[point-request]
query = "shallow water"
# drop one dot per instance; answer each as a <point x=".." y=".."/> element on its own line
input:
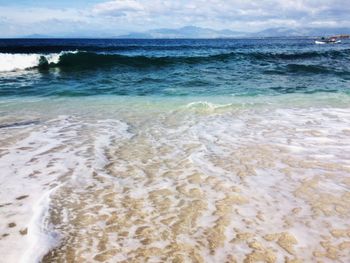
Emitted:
<point x="178" y="181"/>
<point x="207" y="172"/>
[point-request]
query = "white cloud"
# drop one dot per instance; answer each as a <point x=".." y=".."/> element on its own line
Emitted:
<point x="220" y="12"/>
<point x="117" y="7"/>
<point x="34" y="15"/>
<point x="120" y="16"/>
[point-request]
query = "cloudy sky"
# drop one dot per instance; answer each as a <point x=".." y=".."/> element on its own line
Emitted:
<point x="98" y="18"/>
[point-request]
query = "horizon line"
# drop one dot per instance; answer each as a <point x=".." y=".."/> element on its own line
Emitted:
<point x="171" y="38"/>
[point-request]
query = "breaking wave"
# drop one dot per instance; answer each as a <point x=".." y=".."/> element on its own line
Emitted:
<point x="85" y="60"/>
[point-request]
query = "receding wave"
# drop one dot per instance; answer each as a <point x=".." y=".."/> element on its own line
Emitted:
<point x="85" y="60"/>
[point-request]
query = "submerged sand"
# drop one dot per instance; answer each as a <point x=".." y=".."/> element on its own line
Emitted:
<point x="199" y="183"/>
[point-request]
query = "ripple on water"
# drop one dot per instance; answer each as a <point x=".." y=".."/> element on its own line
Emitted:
<point x="249" y="185"/>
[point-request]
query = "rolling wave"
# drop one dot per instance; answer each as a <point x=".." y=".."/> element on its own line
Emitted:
<point x="91" y="60"/>
<point x="85" y="60"/>
<point x="299" y="68"/>
<point x="329" y="54"/>
<point x="12" y="62"/>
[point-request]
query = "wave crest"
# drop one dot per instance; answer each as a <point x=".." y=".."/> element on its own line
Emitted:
<point x="12" y="62"/>
<point x="85" y="60"/>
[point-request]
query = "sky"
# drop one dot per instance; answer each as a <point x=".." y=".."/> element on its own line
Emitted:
<point x="101" y="18"/>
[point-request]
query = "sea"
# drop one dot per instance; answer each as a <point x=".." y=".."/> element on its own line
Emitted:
<point x="174" y="150"/>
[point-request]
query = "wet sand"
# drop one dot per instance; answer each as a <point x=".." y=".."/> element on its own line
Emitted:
<point x="198" y="183"/>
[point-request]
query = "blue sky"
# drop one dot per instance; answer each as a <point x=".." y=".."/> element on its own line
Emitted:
<point x="98" y="18"/>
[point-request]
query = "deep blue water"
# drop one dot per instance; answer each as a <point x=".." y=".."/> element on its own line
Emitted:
<point x="232" y="67"/>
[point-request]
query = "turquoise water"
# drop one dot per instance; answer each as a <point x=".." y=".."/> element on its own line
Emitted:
<point x="174" y="151"/>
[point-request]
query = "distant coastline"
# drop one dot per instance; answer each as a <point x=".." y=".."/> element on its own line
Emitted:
<point x="192" y="32"/>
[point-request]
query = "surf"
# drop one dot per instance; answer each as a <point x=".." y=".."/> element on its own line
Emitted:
<point x="92" y="60"/>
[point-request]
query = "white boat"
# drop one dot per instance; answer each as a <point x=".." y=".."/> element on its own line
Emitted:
<point x="327" y="41"/>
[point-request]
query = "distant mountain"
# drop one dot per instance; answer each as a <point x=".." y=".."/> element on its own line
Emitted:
<point x="277" y="32"/>
<point x="36" y="36"/>
<point x="136" y="35"/>
<point x="192" y="32"/>
<point x="185" y="32"/>
<point x="199" y="32"/>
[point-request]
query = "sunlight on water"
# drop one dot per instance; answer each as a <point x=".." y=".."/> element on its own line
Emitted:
<point x="196" y="181"/>
<point x="174" y="151"/>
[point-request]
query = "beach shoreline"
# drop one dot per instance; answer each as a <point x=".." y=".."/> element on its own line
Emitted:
<point x="190" y="181"/>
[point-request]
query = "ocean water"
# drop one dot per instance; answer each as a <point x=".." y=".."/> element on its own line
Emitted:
<point x="174" y="150"/>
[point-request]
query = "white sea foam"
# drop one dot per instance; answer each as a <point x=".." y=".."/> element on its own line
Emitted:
<point x="12" y="62"/>
<point x="35" y="162"/>
<point x="40" y="240"/>
<point x="185" y="184"/>
<point x="205" y="105"/>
